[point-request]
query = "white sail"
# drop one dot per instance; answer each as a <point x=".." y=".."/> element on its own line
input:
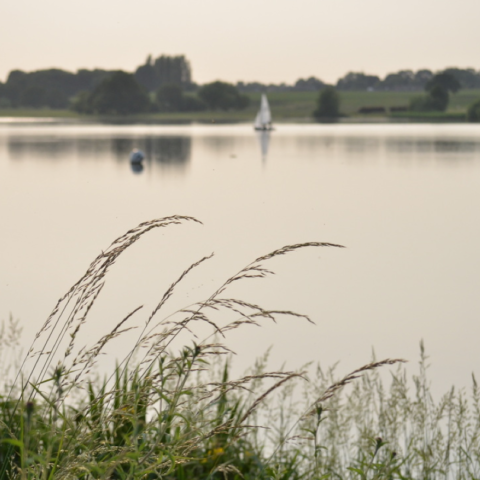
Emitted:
<point x="263" y="120"/>
<point x="265" y="110"/>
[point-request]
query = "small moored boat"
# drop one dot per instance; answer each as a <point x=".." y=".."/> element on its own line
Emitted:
<point x="136" y="156"/>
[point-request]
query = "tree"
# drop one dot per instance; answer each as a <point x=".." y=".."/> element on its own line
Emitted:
<point x="58" y="86"/>
<point x="169" y="98"/>
<point x="328" y="104"/>
<point x="436" y="101"/>
<point x="438" y="88"/>
<point x="311" y="84"/>
<point x="4" y="101"/>
<point x="402" y="80"/>
<point x="34" y="97"/>
<point x="56" y="99"/>
<point x="358" y="81"/>
<point x="145" y="75"/>
<point x="222" y="95"/>
<point x="87" y="80"/>
<point x="15" y="85"/>
<point x="439" y="98"/>
<point x="191" y="103"/>
<point x="473" y="112"/>
<point x="118" y="94"/>
<point x="421" y="78"/>
<point x="467" y="77"/>
<point x="81" y="103"/>
<point x="174" y="69"/>
<point x="445" y="80"/>
<point x="165" y="69"/>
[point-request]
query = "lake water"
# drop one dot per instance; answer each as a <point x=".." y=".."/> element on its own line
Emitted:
<point x="403" y="199"/>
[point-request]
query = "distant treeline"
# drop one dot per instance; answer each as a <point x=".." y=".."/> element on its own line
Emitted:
<point x="167" y="80"/>
<point x="56" y="88"/>
<point x="311" y="84"/>
<point x="165" y="70"/>
<point x="404" y="80"/>
<point x="52" y="88"/>
<point x="121" y="94"/>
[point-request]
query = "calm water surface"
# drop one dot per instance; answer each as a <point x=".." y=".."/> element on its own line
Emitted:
<point x="403" y="199"/>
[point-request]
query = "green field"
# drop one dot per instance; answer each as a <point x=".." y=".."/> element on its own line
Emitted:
<point x="286" y="107"/>
<point x="37" y="113"/>
<point x="352" y="101"/>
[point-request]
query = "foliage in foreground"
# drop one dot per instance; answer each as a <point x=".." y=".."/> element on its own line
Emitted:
<point x="174" y="413"/>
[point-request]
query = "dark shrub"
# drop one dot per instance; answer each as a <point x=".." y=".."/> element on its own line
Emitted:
<point x="473" y="112"/>
<point x="223" y="96"/>
<point x="328" y="104"/>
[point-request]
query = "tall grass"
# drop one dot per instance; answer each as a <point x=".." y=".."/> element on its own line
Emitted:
<point x="172" y="411"/>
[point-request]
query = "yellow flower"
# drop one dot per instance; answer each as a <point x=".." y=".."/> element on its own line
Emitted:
<point x="128" y="409"/>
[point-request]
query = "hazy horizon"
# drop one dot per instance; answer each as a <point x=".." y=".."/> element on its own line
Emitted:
<point x="270" y="42"/>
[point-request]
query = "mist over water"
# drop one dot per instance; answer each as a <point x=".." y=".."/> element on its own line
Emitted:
<point x="403" y="199"/>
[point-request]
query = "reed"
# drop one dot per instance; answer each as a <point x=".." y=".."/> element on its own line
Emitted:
<point x="173" y="412"/>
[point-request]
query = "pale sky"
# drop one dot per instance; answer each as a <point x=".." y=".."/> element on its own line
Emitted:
<point x="264" y="40"/>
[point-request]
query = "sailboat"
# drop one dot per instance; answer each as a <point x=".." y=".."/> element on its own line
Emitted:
<point x="263" y="120"/>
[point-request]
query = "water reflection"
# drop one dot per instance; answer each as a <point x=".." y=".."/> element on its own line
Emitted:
<point x="264" y="140"/>
<point x="357" y="145"/>
<point x="432" y="145"/>
<point x="44" y="147"/>
<point x="220" y="143"/>
<point x="121" y="147"/>
<point x="174" y="151"/>
<point x="361" y="145"/>
<point x="136" y="167"/>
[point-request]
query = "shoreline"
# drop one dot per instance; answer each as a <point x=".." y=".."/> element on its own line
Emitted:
<point x="286" y="107"/>
<point x="43" y="118"/>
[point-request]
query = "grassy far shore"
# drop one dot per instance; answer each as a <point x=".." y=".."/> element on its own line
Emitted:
<point x="286" y="107"/>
